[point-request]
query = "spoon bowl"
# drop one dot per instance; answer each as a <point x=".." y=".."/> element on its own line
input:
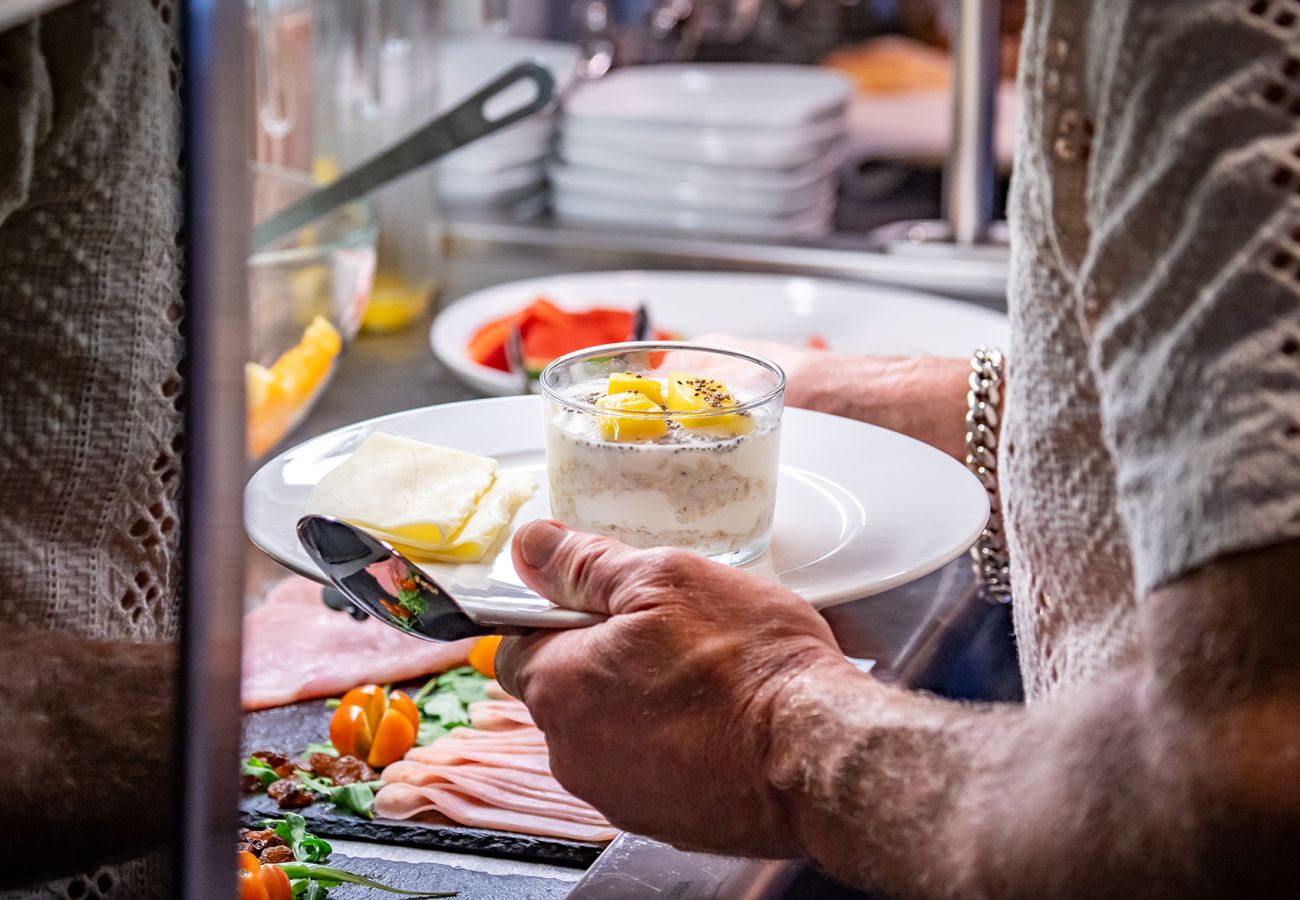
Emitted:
<point x="387" y="586"/>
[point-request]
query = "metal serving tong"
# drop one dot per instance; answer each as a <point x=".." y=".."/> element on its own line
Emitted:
<point x="462" y="125"/>
<point x="386" y="585"/>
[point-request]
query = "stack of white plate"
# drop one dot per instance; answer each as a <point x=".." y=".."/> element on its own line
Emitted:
<point x="509" y="166"/>
<point x="735" y="149"/>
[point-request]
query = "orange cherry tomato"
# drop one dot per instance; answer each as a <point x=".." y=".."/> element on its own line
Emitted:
<point x="395" y="735"/>
<point x="250" y="886"/>
<point x="276" y="883"/>
<point x="369" y="697"/>
<point x="248" y="862"/>
<point x="399" y="701"/>
<point x="350" y="732"/>
<point x="483" y="655"/>
<point x="373" y="727"/>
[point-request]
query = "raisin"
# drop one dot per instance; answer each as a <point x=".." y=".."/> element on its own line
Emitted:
<point x="290" y="793"/>
<point x="276" y="855"/>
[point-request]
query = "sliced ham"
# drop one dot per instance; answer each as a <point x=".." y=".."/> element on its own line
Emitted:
<point x="495" y="691"/>
<point x="493" y="715"/>
<point x="500" y="790"/>
<point x="296" y="648"/>
<point x="448" y="754"/>
<point x="516" y="737"/>
<point x="529" y="784"/>
<point x="402" y="801"/>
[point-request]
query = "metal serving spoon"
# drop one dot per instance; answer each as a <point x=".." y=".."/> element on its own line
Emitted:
<point x="394" y="590"/>
<point x="464" y="124"/>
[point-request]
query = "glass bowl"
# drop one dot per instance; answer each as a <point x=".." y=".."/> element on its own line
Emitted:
<point x="307" y="294"/>
<point x="696" y="470"/>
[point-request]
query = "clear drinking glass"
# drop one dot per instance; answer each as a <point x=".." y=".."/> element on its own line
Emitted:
<point x="704" y="480"/>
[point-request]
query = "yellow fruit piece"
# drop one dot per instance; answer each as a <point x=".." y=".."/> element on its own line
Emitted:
<point x="627" y="428"/>
<point x="623" y="382"/>
<point x="693" y="393"/>
<point x="395" y="303"/>
<point x="276" y="397"/>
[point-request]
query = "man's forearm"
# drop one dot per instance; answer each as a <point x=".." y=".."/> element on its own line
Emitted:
<point x="923" y="397"/>
<point x="1177" y="777"/>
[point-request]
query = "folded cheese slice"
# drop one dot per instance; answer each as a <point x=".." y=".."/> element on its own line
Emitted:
<point x="409" y="492"/>
<point x="485" y="527"/>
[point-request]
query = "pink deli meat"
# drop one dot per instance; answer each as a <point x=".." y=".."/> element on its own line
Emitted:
<point x="295" y="648"/>
<point x="402" y="801"/>
<point x="492" y="715"/>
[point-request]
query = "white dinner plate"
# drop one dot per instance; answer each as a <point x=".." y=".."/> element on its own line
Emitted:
<point x="773" y="152"/>
<point x="853" y="318"/>
<point x="595" y="209"/>
<point x="859" y="509"/>
<point x="796" y="178"/>
<point x="741" y="94"/>
<point x="683" y="194"/>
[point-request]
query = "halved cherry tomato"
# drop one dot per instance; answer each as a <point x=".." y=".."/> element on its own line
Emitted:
<point x="350" y="732"/>
<point x="373" y="727"/>
<point x="395" y="735"/>
<point x="250" y="886"/>
<point x="276" y="883"/>
<point x="369" y="697"/>
<point x="483" y="655"/>
<point x="399" y="701"/>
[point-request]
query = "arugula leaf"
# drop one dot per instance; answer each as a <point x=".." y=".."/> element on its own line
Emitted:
<point x="446" y="709"/>
<point x="356" y="798"/>
<point x="326" y="748"/>
<point x="429" y="732"/>
<point x="259" y="769"/>
<point x="329" y="876"/>
<point x="306" y="846"/>
<point x="413" y="602"/>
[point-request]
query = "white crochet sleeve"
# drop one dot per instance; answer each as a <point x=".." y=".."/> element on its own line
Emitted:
<point x="1191" y="282"/>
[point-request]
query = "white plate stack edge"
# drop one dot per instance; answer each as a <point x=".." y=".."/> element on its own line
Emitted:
<point x="744" y="150"/>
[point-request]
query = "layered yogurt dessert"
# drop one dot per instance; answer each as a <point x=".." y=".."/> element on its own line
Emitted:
<point x="670" y="460"/>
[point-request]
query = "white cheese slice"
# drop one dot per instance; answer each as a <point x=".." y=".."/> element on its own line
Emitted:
<point x="490" y="521"/>
<point x="409" y="492"/>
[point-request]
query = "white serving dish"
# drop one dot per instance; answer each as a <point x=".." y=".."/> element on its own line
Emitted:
<point x="583" y="208"/>
<point x="854" y="318"/>
<point x="731" y="94"/>
<point x="784" y="135"/>
<point x="699" y="195"/>
<point x="585" y="153"/>
<point x="773" y="150"/>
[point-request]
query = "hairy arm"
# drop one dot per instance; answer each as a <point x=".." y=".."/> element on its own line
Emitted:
<point x="1177" y="777"/>
<point x="88" y="770"/>
<point x="921" y="396"/>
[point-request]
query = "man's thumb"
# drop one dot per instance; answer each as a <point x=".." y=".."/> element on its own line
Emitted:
<point x="570" y="568"/>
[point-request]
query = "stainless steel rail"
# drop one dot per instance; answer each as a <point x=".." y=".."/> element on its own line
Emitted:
<point x="972" y="165"/>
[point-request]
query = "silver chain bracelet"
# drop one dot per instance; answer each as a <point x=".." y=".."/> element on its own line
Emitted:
<point x="992" y="562"/>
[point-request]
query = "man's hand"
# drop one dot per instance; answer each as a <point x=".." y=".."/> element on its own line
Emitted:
<point x="660" y="717"/>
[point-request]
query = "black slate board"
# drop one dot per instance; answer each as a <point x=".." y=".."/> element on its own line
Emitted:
<point x="289" y="729"/>
<point x="471" y="885"/>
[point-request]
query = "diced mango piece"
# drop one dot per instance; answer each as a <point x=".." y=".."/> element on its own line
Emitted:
<point x="628" y="428"/>
<point x="623" y="382"/>
<point x="693" y="393"/>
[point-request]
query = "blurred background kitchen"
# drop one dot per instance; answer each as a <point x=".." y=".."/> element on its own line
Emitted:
<point x="816" y="136"/>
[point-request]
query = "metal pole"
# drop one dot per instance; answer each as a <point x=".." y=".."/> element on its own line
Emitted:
<point x="972" y="165"/>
